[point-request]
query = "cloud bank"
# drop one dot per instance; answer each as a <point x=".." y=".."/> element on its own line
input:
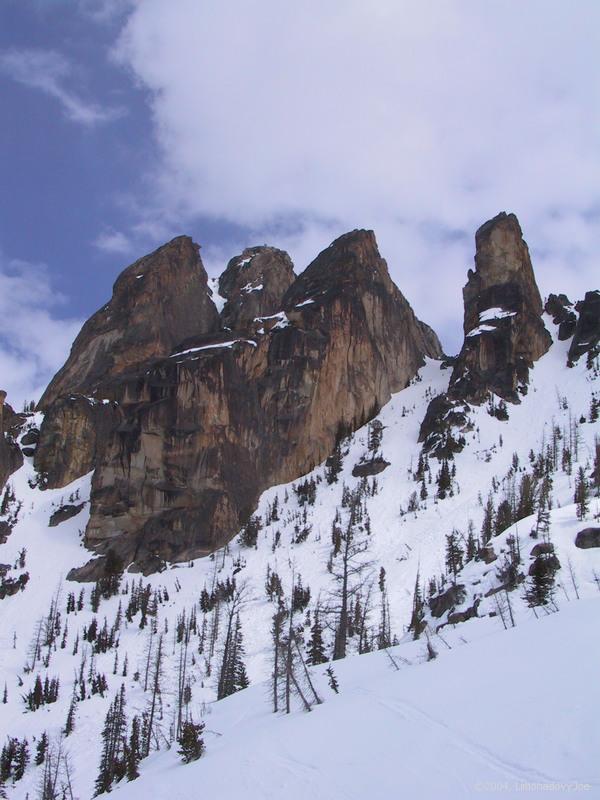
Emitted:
<point x="34" y="343"/>
<point x="418" y="119"/>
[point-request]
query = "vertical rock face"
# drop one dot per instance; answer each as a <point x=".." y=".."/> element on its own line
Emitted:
<point x="587" y="331"/>
<point x="559" y="307"/>
<point x="72" y="438"/>
<point x="186" y="440"/>
<point x="10" y="454"/>
<point x="504" y="331"/>
<point x="157" y="302"/>
<point x="254" y="284"/>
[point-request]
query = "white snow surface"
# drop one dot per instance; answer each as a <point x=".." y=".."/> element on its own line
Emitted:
<point x="218" y="300"/>
<point x="489" y="315"/>
<point x="214" y="346"/>
<point x="510" y="712"/>
<point x="497" y="710"/>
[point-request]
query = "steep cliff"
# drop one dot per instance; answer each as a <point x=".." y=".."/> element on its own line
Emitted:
<point x="504" y="330"/>
<point x="157" y="302"/>
<point x="183" y="442"/>
<point x="504" y="333"/>
<point x="10" y="454"/>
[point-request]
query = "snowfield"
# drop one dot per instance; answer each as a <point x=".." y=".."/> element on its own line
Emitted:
<point x="512" y="712"/>
<point x="501" y="710"/>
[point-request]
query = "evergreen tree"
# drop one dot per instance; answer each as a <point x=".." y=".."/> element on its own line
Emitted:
<point x="375" y="436"/>
<point x="316" y="647"/>
<point x="334" y="464"/>
<point x="487" y="527"/>
<point x="504" y="517"/>
<point x="70" y="722"/>
<point x="417" y="619"/>
<point x="540" y="587"/>
<point x="333" y="682"/>
<point x="191" y="743"/>
<point x="582" y="494"/>
<point x="7" y="758"/>
<point x="444" y="480"/>
<point x="133" y="751"/>
<point x="384" y="638"/>
<point x="21" y="760"/>
<point x="112" y="766"/>
<point x="472" y="544"/>
<point x="454" y="555"/>
<point x="41" y="749"/>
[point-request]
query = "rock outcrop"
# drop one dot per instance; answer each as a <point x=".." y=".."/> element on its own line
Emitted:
<point x="504" y="334"/>
<point x="254" y="284"/>
<point x="559" y="307"/>
<point x="185" y="439"/>
<point x="586" y="338"/>
<point x="504" y="330"/>
<point x="157" y="302"/>
<point x="11" y="457"/>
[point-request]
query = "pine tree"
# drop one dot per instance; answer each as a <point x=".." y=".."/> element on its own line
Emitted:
<point x="444" y="480"/>
<point x="70" y="722"/>
<point x="487" y="527"/>
<point x="133" y="752"/>
<point x="334" y="464"/>
<point x="21" y="760"/>
<point x="112" y="766"/>
<point x="7" y="757"/>
<point x="454" y="555"/>
<point x="316" y="647"/>
<point x="41" y="749"/>
<point x="504" y="517"/>
<point x="384" y="638"/>
<point x="472" y="544"/>
<point x="582" y="494"/>
<point x="417" y="619"/>
<point x="191" y="743"/>
<point x="540" y="587"/>
<point x="333" y="682"/>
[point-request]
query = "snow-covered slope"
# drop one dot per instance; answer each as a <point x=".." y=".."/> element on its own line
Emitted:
<point x="468" y="717"/>
<point x="511" y="712"/>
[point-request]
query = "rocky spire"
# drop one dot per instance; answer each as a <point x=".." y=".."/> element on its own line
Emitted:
<point x="504" y="330"/>
<point x="504" y="334"/>
<point x="254" y="284"/>
<point x="157" y="302"/>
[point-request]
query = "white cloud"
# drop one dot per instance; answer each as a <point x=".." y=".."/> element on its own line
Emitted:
<point x="105" y="11"/>
<point x="34" y="343"/>
<point x="111" y="241"/>
<point x="420" y="120"/>
<point x="49" y="72"/>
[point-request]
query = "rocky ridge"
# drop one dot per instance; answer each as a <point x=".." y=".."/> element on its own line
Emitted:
<point x="185" y="432"/>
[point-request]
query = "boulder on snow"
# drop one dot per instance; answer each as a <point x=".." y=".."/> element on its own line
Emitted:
<point x="463" y="616"/>
<point x="587" y="538"/>
<point x="31" y="437"/>
<point x="542" y="549"/>
<point x="452" y="597"/>
<point x="550" y="563"/>
<point x="369" y="468"/>
<point x="64" y="513"/>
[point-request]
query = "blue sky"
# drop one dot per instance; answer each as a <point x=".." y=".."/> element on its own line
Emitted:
<point x="128" y="122"/>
